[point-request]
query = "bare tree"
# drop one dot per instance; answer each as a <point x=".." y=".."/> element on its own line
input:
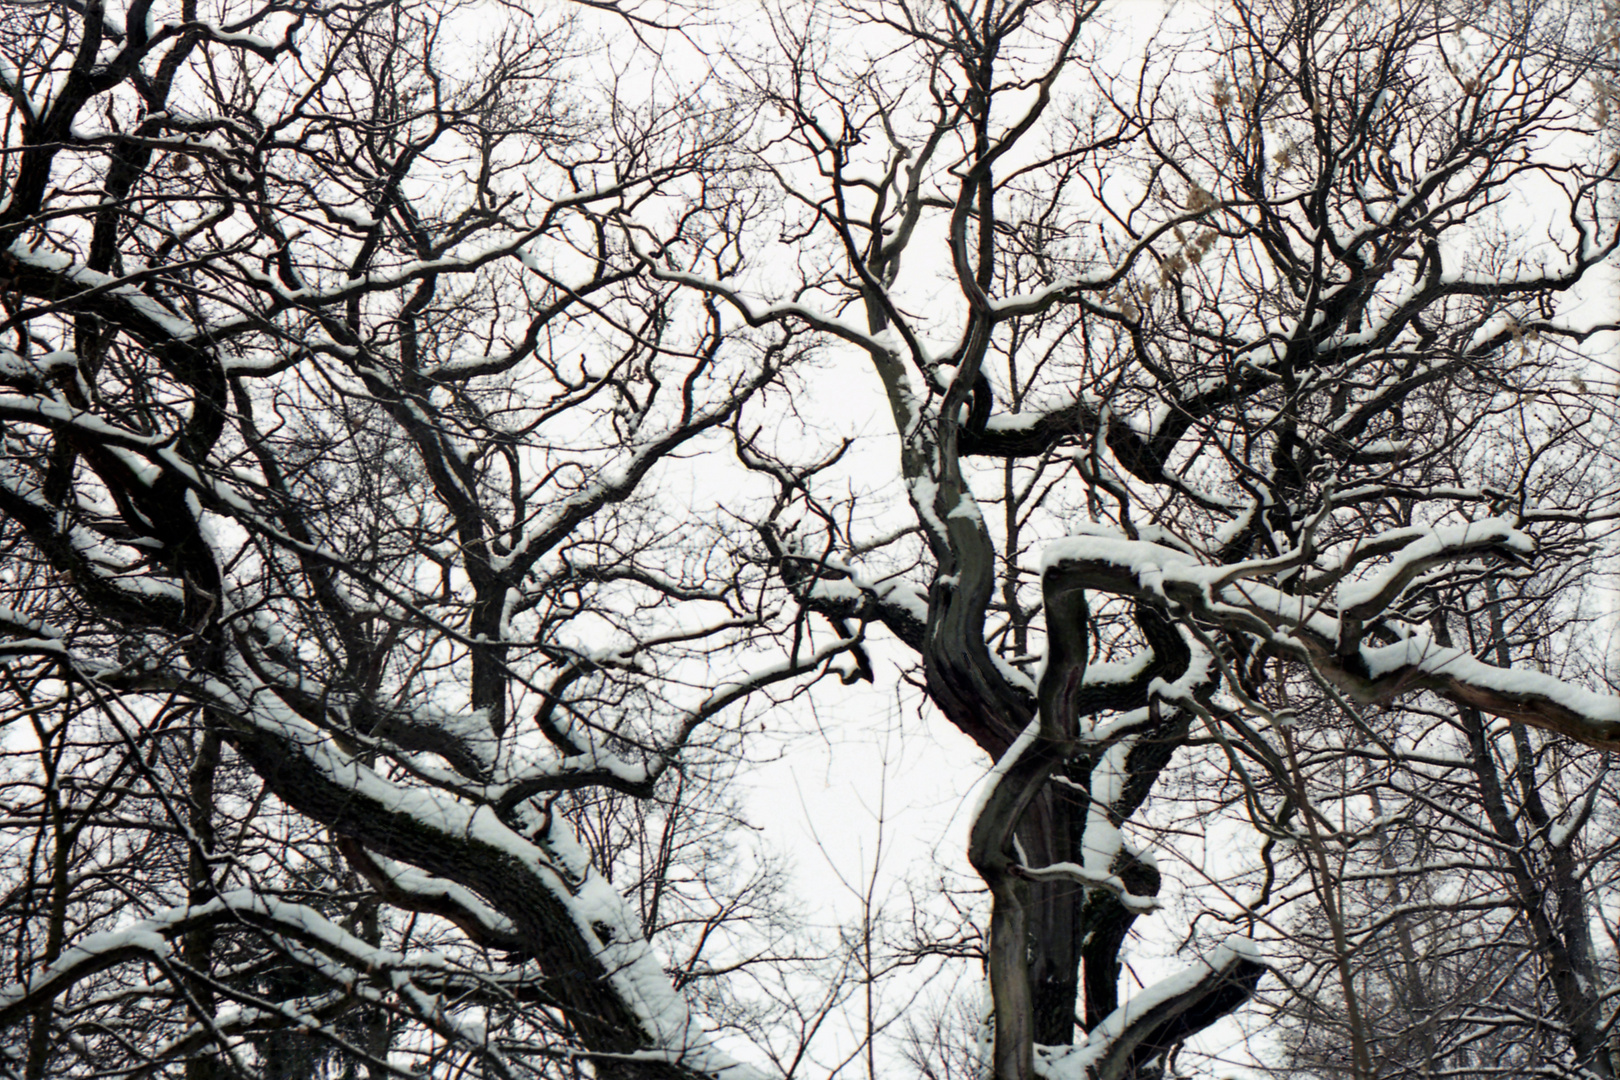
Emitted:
<point x="1471" y="911"/>
<point x="1259" y="334"/>
<point x="420" y="482"/>
<point x="329" y="397"/>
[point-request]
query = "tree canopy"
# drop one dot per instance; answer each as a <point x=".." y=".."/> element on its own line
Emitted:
<point x="436" y="439"/>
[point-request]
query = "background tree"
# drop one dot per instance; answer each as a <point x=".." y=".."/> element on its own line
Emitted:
<point x="1466" y="877"/>
<point x="420" y="481"/>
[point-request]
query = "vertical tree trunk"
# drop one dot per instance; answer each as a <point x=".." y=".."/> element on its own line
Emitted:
<point x="198" y="948"/>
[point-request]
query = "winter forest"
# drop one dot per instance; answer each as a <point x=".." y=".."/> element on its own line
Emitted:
<point x="463" y="464"/>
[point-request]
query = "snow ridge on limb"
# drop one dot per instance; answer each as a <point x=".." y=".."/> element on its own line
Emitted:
<point x="1158" y="1017"/>
<point x="1382" y="673"/>
<point x="357" y="969"/>
<point x="839" y="589"/>
<point x="1332" y="636"/>
<point x="594" y="960"/>
<point x="153" y="939"/>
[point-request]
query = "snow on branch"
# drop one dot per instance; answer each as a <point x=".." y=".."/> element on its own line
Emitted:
<point x="559" y="908"/>
<point x="1331" y="635"/>
<point x="1159" y="1016"/>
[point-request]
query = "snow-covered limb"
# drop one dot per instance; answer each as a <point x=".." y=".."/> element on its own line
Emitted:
<point x="1529" y="697"/>
<point x="1331" y="636"/>
<point x="411" y="890"/>
<point x="349" y="969"/>
<point x="1369" y="595"/>
<point x="71" y="285"/>
<point x="841" y="589"/>
<point x="755" y="313"/>
<point x="152" y="939"/>
<point x="32" y="647"/>
<point x="60" y="415"/>
<point x="1112" y="883"/>
<point x="1158" y="1017"/>
<point x="552" y="904"/>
